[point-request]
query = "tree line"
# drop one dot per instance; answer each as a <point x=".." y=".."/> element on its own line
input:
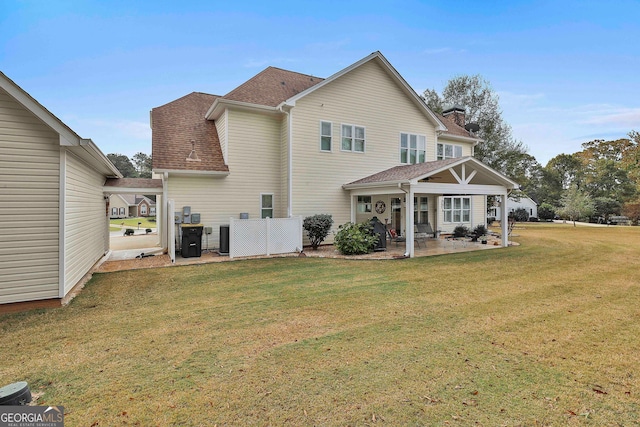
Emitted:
<point x="139" y="166"/>
<point x="600" y="181"/>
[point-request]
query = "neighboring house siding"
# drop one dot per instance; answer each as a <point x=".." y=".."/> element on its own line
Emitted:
<point x="367" y="97"/>
<point x="115" y="201"/>
<point x="85" y="223"/>
<point x="29" y="192"/>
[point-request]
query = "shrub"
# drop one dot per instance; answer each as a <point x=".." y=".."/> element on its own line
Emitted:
<point x="491" y="220"/>
<point x="533" y="219"/>
<point x="546" y="211"/>
<point x="521" y="215"/>
<point x="317" y="228"/>
<point x="460" y="231"/>
<point x="355" y="239"/>
<point x="479" y="231"/>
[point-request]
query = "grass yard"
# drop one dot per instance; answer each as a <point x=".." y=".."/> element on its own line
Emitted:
<point x="133" y="222"/>
<point x="542" y="334"/>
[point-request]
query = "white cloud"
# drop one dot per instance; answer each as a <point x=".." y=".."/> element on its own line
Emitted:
<point x="629" y="117"/>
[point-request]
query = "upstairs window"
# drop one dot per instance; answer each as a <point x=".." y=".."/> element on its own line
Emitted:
<point x="448" y="151"/>
<point x="412" y="148"/>
<point x="353" y="138"/>
<point x="325" y="136"/>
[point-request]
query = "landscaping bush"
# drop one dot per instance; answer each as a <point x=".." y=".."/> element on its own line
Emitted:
<point x="546" y="211"/>
<point x="317" y="228"/>
<point x="479" y="231"/>
<point x="520" y="215"/>
<point x="460" y="231"/>
<point x="355" y="239"/>
<point x="533" y="219"/>
<point x="491" y="219"/>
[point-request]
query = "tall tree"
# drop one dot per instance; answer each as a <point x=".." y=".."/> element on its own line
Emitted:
<point x="143" y="164"/>
<point x="123" y="164"/>
<point x="481" y="105"/>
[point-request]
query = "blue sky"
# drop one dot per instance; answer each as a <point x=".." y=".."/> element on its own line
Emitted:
<point x="566" y="72"/>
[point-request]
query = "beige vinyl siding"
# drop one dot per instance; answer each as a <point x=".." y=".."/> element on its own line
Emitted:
<point x="478" y="214"/>
<point x="221" y="127"/>
<point x="86" y="233"/>
<point x="367" y="97"/>
<point x="283" y="200"/>
<point x="467" y="148"/>
<point x="29" y="189"/>
<point x="254" y="166"/>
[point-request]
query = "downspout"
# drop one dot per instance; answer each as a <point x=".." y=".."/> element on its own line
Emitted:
<point x="164" y="216"/>
<point x="289" y="160"/>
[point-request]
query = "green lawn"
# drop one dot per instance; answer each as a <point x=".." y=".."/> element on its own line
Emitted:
<point x="133" y="222"/>
<point x="543" y="334"/>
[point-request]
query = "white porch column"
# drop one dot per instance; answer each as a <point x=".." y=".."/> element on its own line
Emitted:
<point x="353" y="208"/>
<point x="410" y="221"/>
<point x="504" y="220"/>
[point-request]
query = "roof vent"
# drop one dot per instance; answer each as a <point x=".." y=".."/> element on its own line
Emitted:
<point x="193" y="157"/>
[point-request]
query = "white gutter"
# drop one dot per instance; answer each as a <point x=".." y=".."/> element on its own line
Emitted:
<point x="220" y="174"/>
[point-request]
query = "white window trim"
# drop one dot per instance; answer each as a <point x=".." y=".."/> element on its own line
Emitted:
<point x="444" y="151"/>
<point x="417" y="135"/>
<point x="353" y="138"/>
<point x="462" y="221"/>
<point x="330" y="136"/>
<point x="262" y="208"/>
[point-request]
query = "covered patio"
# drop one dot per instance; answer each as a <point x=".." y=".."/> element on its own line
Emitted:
<point x="445" y="187"/>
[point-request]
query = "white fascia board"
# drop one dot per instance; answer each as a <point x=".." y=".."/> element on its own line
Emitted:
<point x="213" y="174"/>
<point x="136" y="190"/>
<point x="99" y="155"/>
<point x="220" y="104"/>
<point x="393" y="184"/>
<point x="390" y="69"/>
<point x="462" y="189"/>
<point x="67" y="136"/>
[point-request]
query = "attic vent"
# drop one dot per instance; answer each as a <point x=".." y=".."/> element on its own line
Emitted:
<point x="193" y="157"/>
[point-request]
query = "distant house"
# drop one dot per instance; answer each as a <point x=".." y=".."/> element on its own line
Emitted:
<point x="53" y="210"/>
<point x="524" y="202"/>
<point x="358" y="144"/>
<point x="131" y="205"/>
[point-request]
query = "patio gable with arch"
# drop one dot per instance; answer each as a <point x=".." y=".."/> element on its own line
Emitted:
<point x="464" y="176"/>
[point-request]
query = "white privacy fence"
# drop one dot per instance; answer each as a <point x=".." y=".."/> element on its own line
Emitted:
<point x="249" y="237"/>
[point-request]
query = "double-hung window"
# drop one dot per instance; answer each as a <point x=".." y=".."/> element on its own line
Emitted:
<point x="266" y="206"/>
<point x="457" y="209"/>
<point x="448" y="151"/>
<point x="364" y="204"/>
<point x="325" y="136"/>
<point x="412" y="148"/>
<point x="353" y="138"/>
